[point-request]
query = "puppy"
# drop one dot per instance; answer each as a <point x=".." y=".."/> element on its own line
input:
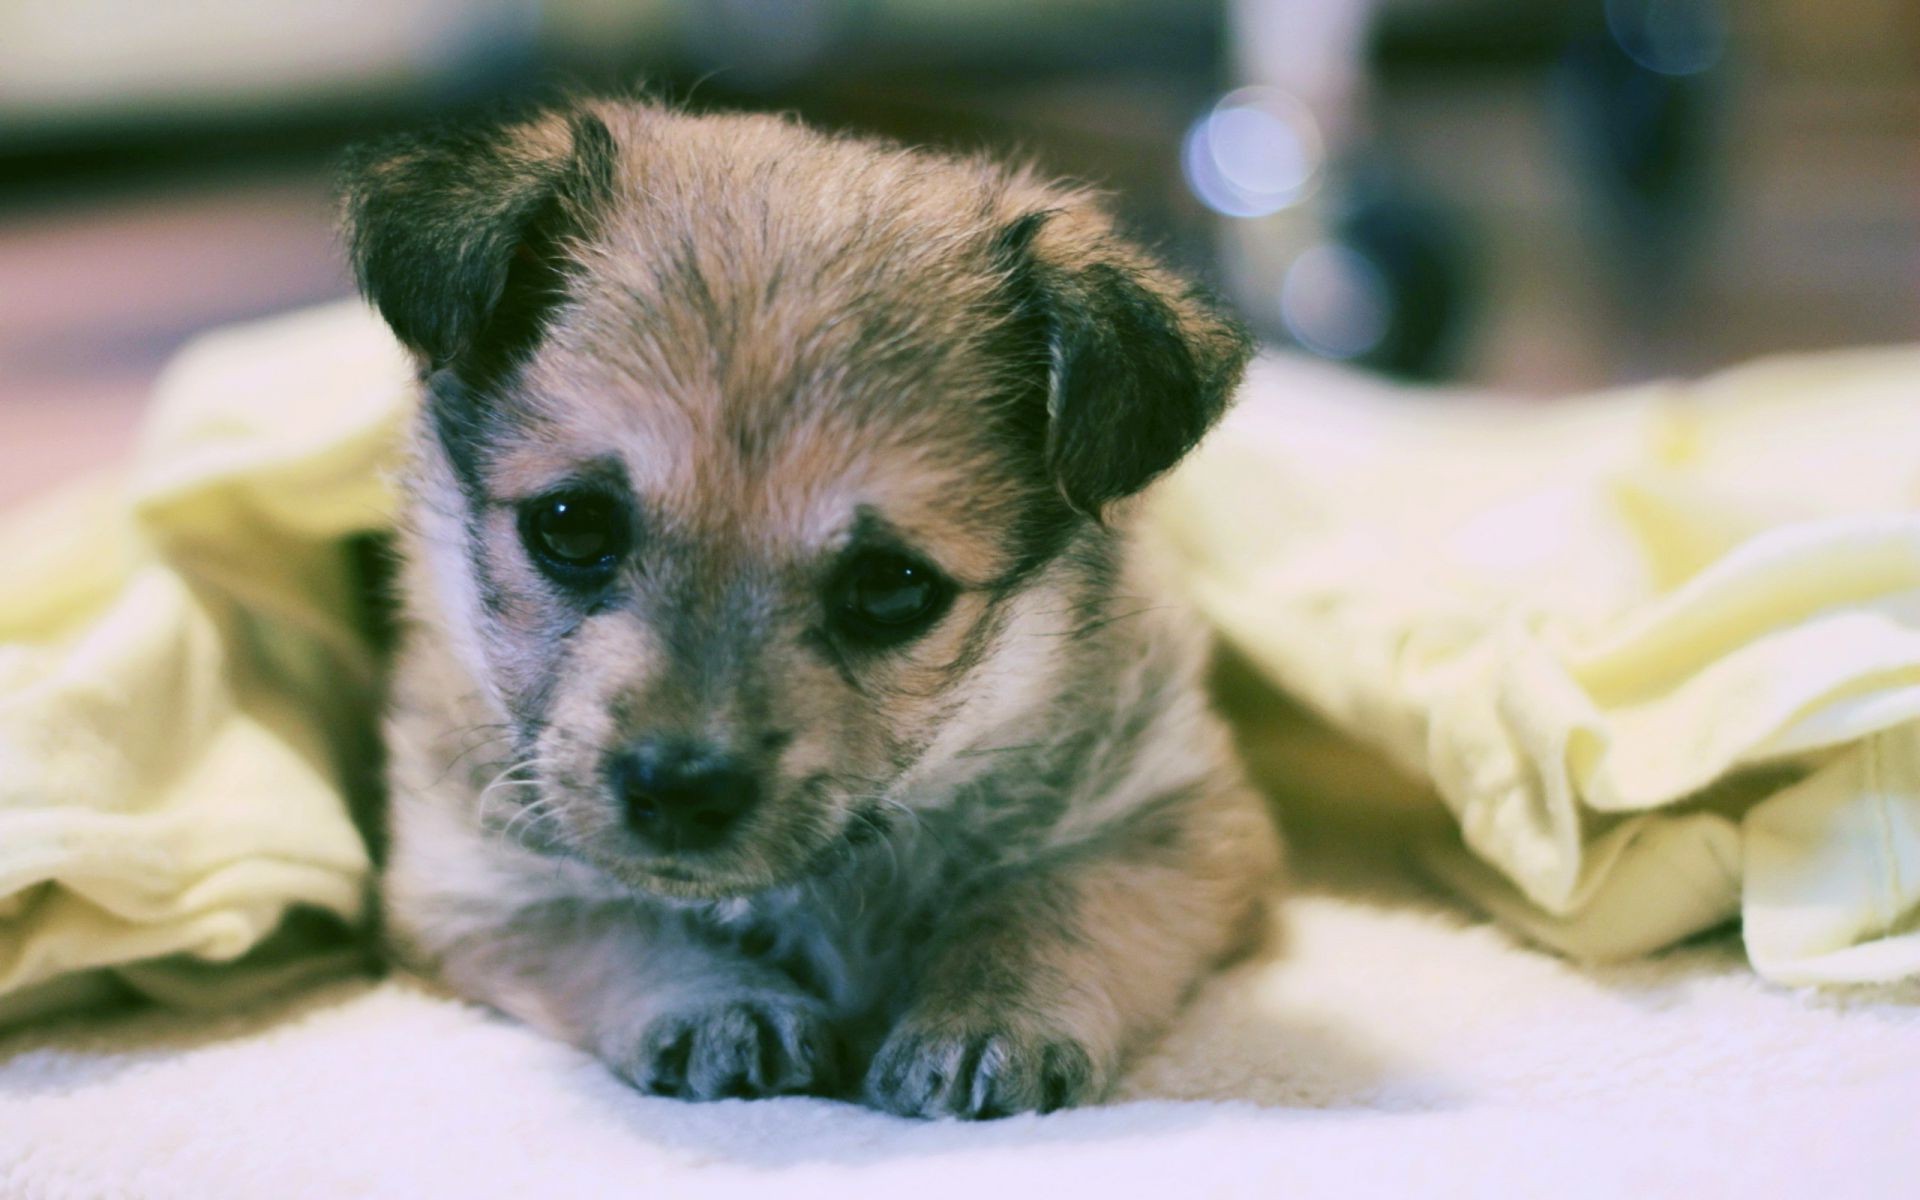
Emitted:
<point x="783" y="703"/>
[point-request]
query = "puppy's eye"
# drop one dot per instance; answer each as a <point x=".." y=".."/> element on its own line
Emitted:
<point x="572" y="533"/>
<point x="881" y="598"/>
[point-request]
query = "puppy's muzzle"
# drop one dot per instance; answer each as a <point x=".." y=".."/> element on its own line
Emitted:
<point x="681" y="797"/>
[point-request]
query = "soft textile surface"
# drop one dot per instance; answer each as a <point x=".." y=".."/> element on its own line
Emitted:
<point x="1658" y="651"/>
<point x="1389" y="1047"/>
<point x="180" y="676"/>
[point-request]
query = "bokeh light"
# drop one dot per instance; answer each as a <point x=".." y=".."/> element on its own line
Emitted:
<point x="1671" y="37"/>
<point x="1256" y="152"/>
<point x="1335" y="301"/>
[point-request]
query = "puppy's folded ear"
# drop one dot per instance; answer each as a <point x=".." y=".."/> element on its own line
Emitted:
<point x="458" y="235"/>
<point x="1139" y="364"/>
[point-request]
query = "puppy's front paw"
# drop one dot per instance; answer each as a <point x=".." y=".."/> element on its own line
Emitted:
<point x="761" y="1045"/>
<point x="956" y="1068"/>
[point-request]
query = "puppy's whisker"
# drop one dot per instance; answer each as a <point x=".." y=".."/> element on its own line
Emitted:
<point x="474" y="745"/>
<point x="983" y="751"/>
<point x="504" y="782"/>
<point x="523" y="823"/>
<point x="1093" y="625"/>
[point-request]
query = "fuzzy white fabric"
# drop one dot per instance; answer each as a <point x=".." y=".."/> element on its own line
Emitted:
<point x="1387" y="1045"/>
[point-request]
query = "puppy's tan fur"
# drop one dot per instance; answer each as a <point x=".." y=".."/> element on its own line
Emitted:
<point x="985" y="862"/>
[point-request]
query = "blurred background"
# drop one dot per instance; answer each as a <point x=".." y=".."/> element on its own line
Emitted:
<point x="1538" y="195"/>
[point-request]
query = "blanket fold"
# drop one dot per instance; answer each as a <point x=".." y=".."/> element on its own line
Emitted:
<point x="1656" y="651"/>
<point x="186" y="680"/>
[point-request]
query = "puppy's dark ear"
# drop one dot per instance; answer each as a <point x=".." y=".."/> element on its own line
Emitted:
<point x="1139" y="364"/>
<point x="458" y="235"/>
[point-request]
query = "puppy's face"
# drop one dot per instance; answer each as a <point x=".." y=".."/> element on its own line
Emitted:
<point x="749" y="459"/>
<point x="730" y="606"/>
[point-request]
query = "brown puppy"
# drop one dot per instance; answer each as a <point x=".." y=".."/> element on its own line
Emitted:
<point x="783" y="702"/>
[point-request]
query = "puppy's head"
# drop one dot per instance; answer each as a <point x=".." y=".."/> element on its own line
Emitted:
<point x="754" y="464"/>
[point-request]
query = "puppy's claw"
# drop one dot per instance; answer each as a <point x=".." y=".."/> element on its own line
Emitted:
<point x="978" y="1074"/>
<point x="763" y="1046"/>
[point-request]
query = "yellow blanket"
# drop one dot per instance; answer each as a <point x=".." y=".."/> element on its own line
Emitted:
<point x="185" y="676"/>
<point x="1658" y="653"/>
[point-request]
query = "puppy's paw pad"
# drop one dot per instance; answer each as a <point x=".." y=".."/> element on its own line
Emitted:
<point x="758" y="1046"/>
<point x="927" y="1070"/>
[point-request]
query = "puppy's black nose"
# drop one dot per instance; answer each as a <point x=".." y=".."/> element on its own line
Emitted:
<point x="680" y="797"/>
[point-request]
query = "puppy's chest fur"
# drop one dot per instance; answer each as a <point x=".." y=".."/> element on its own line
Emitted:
<point x="860" y="932"/>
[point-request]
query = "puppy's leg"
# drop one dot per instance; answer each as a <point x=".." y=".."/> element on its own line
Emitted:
<point x="668" y="1010"/>
<point x="1040" y="986"/>
<point x="646" y="988"/>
